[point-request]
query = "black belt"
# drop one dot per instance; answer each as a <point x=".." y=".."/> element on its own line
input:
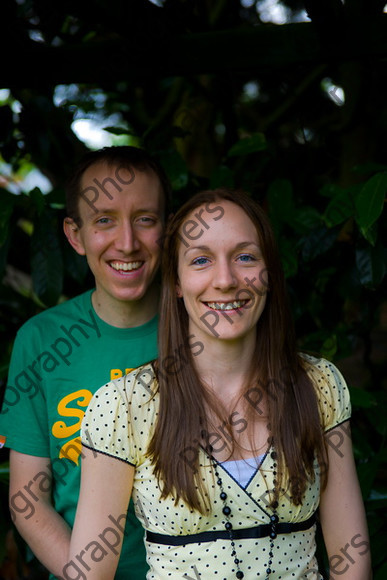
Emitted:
<point x="260" y="531"/>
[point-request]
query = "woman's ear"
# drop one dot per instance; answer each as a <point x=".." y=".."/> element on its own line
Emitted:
<point x="73" y="234"/>
<point x="179" y="293"/>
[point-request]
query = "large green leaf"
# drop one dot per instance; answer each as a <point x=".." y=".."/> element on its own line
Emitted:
<point x="46" y="259"/>
<point x="371" y="266"/>
<point x="289" y="257"/>
<point x="370" y="200"/>
<point x="7" y="202"/>
<point x="252" y="144"/>
<point x="317" y="243"/>
<point x="75" y="265"/>
<point x="331" y="190"/>
<point x="306" y="219"/>
<point x="339" y="209"/>
<point x="176" y="169"/>
<point x="329" y="347"/>
<point x="38" y="199"/>
<point x="377" y="499"/>
<point x="116" y="130"/>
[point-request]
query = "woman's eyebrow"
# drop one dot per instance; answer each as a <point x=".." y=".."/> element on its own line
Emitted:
<point x="239" y="246"/>
<point x="191" y="248"/>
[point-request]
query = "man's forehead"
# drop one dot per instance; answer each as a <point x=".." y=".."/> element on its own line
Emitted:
<point x="122" y="173"/>
<point x="102" y="183"/>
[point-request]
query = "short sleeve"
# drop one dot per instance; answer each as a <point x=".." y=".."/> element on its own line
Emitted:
<point x="106" y="425"/>
<point x="114" y="420"/>
<point x="24" y="409"/>
<point x="332" y="391"/>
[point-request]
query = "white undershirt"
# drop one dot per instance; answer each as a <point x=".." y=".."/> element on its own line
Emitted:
<point x="242" y="470"/>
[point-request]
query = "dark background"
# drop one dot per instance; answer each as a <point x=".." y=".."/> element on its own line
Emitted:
<point x="286" y="99"/>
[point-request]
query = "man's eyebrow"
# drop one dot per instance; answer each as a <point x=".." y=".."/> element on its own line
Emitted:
<point x="93" y="213"/>
<point x="110" y="211"/>
<point x="148" y="210"/>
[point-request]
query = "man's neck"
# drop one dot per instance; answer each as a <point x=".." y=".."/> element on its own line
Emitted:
<point x="127" y="314"/>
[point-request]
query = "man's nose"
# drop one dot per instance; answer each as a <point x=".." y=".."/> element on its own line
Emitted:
<point x="126" y="240"/>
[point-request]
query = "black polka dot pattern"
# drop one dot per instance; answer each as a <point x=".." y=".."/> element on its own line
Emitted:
<point x="120" y="421"/>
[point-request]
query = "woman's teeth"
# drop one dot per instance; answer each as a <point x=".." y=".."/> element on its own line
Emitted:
<point x="226" y="305"/>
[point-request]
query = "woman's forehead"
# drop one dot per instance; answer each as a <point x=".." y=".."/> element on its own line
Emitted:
<point x="221" y="221"/>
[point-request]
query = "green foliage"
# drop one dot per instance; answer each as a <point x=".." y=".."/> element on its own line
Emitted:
<point x="248" y="145"/>
<point x="331" y="265"/>
<point x="317" y="168"/>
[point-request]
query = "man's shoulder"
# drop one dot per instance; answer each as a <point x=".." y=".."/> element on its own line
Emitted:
<point x="68" y="309"/>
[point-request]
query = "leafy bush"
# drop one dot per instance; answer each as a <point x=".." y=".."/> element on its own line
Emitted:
<point x="333" y="257"/>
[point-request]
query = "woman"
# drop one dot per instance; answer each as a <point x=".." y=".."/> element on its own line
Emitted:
<point x="231" y="441"/>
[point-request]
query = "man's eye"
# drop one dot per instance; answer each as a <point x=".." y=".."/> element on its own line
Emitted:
<point x="146" y="220"/>
<point x="103" y="220"/>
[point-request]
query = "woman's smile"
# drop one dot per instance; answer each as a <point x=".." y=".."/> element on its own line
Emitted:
<point x="213" y="276"/>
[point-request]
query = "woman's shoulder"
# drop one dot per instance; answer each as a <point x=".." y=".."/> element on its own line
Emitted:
<point x="114" y="420"/>
<point x="331" y="389"/>
<point x="139" y="385"/>
<point x="321" y="366"/>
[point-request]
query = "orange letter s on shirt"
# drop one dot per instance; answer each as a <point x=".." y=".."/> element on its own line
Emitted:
<point x="71" y="449"/>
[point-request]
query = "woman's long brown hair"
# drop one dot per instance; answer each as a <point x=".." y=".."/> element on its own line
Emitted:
<point x="278" y="371"/>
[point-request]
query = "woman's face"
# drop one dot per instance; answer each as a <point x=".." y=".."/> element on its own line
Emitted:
<point x="222" y="276"/>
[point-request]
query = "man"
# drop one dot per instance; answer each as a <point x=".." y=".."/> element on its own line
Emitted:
<point x="116" y="202"/>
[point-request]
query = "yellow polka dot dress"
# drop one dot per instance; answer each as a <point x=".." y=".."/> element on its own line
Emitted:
<point x="120" y="421"/>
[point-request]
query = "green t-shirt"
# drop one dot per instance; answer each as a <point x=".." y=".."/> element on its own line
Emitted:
<point x="60" y="358"/>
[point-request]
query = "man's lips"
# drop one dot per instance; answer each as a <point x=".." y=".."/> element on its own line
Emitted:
<point x="126" y="266"/>
<point x="234" y="305"/>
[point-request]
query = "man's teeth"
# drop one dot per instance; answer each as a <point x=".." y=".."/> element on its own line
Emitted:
<point x="125" y="266"/>
<point x="226" y="305"/>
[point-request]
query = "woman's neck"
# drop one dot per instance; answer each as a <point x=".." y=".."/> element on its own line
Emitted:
<point x="225" y="365"/>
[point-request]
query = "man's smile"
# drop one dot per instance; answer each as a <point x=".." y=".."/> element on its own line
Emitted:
<point x="126" y="266"/>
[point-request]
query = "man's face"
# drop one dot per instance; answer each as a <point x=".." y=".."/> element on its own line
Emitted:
<point x="122" y="221"/>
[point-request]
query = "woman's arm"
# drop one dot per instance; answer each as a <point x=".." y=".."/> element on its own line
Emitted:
<point x="96" y="540"/>
<point x="342" y="512"/>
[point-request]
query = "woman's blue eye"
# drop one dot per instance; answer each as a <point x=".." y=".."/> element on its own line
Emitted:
<point x="246" y="258"/>
<point x="199" y="261"/>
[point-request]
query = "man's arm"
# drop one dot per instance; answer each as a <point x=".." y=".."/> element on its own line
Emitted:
<point x="342" y="513"/>
<point x="44" y="530"/>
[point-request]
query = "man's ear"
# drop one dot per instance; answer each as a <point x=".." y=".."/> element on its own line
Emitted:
<point x="73" y="234"/>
